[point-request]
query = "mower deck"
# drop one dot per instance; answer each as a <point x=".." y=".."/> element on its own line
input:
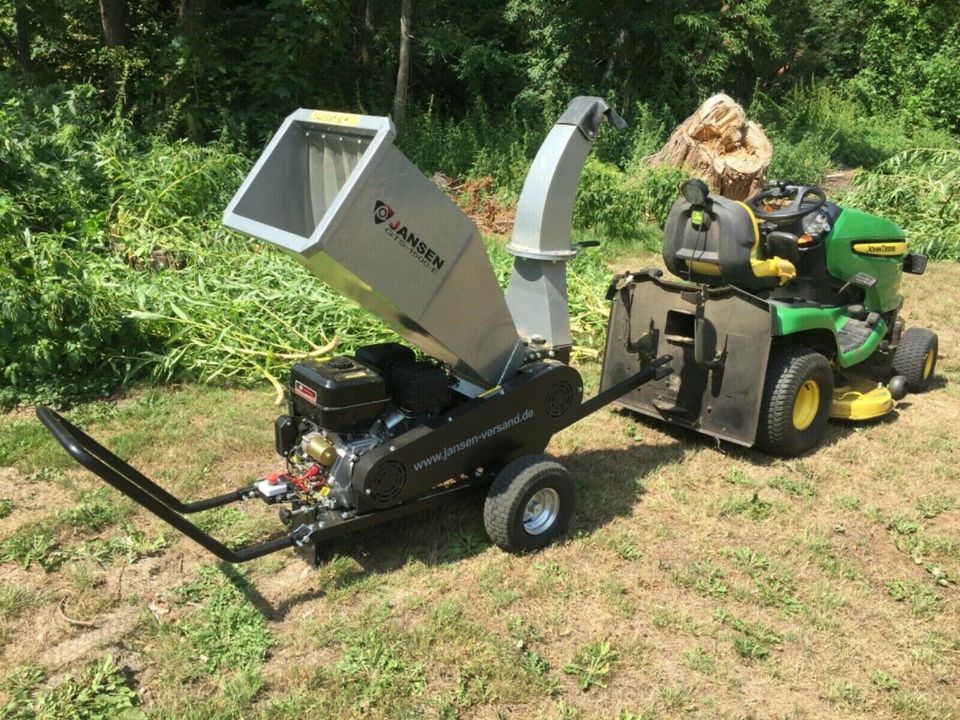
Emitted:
<point x="859" y="399"/>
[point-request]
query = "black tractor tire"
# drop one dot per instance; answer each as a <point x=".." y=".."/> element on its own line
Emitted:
<point x="796" y="401"/>
<point x="916" y="358"/>
<point x="535" y="483"/>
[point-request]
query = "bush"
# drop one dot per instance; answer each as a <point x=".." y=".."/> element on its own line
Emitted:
<point x="918" y="190"/>
<point x="815" y="120"/>
<point x="807" y="160"/>
<point x="626" y="207"/>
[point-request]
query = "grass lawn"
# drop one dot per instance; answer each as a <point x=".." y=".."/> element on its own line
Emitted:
<point x="697" y="580"/>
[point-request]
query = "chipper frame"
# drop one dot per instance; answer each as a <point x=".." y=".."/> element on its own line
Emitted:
<point x="385" y="432"/>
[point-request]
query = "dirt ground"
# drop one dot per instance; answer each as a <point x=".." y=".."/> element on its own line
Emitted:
<point x="697" y="579"/>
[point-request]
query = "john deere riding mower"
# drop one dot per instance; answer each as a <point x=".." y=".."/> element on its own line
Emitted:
<point x="785" y="312"/>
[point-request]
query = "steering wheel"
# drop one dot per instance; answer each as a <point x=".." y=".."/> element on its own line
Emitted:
<point x="797" y="207"/>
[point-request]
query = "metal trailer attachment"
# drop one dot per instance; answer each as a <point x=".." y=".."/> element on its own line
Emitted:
<point x="560" y="405"/>
<point x="719" y="339"/>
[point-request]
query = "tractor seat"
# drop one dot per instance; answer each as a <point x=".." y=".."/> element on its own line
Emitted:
<point x="718" y="243"/>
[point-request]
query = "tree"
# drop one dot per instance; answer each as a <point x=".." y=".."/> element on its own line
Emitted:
<point x="403" y="73"/>
<point x="113" y="18"/>
<point x="21" y="51"/>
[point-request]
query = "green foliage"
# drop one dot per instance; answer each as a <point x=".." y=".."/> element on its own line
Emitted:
<point x="6" y="507"/>
<point x="817" y="126"/>
<point x="100" y="691"/>
<point x="592" y="664"/>
<point x="930" y="506"/>
<point x="626" y="207"/>
<point x="95" y="510"/>
<point x="921" y="599"/>
<point x="34" y="543"/>
<point x="917" y="189"/>
<point x="228" y="632"/>
<point x="753" y="641"/>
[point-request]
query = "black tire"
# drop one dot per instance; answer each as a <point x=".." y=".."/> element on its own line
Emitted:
<point x="916" y="358"/>
<point x="793" y="368"/>
<point x="513" y="489"/>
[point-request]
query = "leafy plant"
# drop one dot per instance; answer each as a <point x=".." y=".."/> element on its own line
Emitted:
<point x="592" y="664"/>
<point x="227" y="632"/>
<point x="921" y="599"/>
<point x="101" y="691"/>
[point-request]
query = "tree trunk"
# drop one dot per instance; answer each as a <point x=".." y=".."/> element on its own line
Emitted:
<point x="366" y="33"/>
<point x="403" y="73"/>
<point x="113" y="18"/>
<point x="24" y="53"/>
<point x="720" y="145"/>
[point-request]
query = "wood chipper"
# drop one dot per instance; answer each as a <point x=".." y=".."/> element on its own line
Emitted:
<point x="386" y="431"/>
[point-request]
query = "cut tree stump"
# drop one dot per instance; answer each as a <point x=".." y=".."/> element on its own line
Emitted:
<point x="719" y="144"/>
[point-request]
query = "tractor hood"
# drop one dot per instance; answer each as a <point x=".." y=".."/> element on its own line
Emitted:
<point x="333" y="191"/>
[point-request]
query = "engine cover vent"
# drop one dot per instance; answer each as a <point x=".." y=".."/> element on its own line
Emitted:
<point x="559" y="398"/>
<point x="387" y="482"/>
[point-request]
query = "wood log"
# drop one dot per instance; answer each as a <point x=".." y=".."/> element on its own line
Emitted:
<point x="718" y="144"/>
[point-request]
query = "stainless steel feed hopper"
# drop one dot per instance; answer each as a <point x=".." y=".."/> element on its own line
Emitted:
<point x="332" y="190"/>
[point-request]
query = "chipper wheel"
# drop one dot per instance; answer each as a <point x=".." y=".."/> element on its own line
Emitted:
<point x="796" y="400"/>
<point x="529" y="504"/>
<point x="916" y="358"/>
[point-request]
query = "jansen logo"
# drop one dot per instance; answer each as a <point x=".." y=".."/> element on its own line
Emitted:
<point x="382" y="212"/>
<point x="406" y="238"/>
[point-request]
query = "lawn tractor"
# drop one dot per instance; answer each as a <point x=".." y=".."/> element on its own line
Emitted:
<point x="785" y="312"/>
<point x="385" y="431"/>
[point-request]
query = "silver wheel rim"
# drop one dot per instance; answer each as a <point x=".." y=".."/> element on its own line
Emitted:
<point x="541" y="511"/>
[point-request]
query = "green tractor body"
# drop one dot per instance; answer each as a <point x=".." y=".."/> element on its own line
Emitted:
<point x="777" y="319"/>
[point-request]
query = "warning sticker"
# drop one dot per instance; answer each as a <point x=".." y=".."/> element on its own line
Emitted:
<point x="335" y="118"/>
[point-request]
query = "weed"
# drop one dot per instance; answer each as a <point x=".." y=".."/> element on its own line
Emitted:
<point x="679" y="699"/>
<point x="845" y="693"/>
<point x="847" y="502"/>
<point x="466" y="541"/>
<point x="794" y="486"/>
<point x="228" y="632"/>
<point x="750" y="648"/>
<point x="6" y="507"/>
<point x="13" y="601"/>
<point x="754" y="640"/>
<point x="930" y="506"/>
<point x="903" y="526"/>
<point x="19" y="685"/>
<point x="882" y="681"/>
<point x="753" y="506"/>
<point x="700" y="660"/>
<point x="523" y="633"/>
<point x="922" y="600"/>
<point x="645" y="715"/>
<point x="703" y="577"/>
<point x="96" y="509"/>
<point x="664" y="618"/>
<point x="33" y="544"/>
<point x="592" y="664"/>
<point x="623" y="545"/>
<point x="100" y="692"/>
<point x="736" y="476"/>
